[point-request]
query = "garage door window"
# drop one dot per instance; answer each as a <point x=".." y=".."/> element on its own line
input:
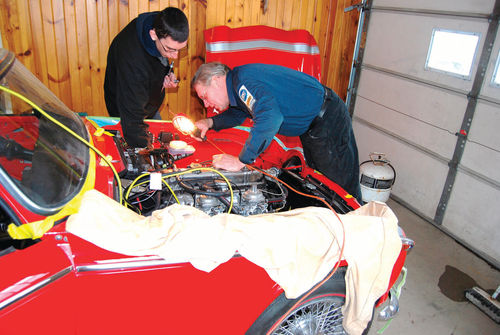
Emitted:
<point x="496" y="75"/>
<point x="452" y="52"/>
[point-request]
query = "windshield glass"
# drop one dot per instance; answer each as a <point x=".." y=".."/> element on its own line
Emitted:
<point x="41" y="164"/>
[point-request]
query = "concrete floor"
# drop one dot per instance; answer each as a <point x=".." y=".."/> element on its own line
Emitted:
<point x="432" y="301"/>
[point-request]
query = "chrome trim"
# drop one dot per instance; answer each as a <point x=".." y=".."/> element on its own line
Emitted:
<point x="405" y="240"/>
<point x="133" y="263"/>
<point x="124" y="264"/>
<point x="9" y="301"/>
<point x="409" y="242"/>
<point x="262" y="44"/>
<point x="21" y="197"/>
<point x="390" y="311"/>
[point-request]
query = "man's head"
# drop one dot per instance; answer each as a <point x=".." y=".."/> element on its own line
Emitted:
<point x="209" y="82"/>
<point x="170" y="32"/>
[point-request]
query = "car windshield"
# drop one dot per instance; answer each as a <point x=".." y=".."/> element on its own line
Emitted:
<point x="41" y="165"/>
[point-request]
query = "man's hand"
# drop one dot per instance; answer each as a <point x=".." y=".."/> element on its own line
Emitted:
<point x="170" y="81"/>
<point x="227" y="162"/>
<point x="203" y="125"/>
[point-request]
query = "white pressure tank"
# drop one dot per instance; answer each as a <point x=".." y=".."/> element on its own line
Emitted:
<point x="377" y="176"/>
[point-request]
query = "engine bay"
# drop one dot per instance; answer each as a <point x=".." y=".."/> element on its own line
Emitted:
<point x="249" y="191"/>
<point x="246" y="192"/>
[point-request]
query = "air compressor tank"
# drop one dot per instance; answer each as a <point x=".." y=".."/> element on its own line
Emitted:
<point x="377" y="176"/>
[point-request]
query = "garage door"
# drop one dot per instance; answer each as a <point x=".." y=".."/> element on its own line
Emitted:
<point x="427" y="94"/>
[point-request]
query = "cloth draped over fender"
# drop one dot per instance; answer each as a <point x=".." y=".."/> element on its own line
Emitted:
<point x="297" y="248"/>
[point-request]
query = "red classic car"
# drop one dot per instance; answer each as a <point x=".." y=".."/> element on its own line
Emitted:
<point x="55" y="282"/>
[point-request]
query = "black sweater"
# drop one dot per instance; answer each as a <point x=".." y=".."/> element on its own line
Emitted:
<point x="133" y="85"/>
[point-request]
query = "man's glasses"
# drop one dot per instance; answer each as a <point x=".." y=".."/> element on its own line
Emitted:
<point x="168" y="49"/>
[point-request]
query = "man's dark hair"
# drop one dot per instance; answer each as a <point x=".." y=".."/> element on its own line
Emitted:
<point x="172" y="22"/>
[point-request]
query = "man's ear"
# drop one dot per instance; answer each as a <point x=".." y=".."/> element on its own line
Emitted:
<point x="152" y="34"/>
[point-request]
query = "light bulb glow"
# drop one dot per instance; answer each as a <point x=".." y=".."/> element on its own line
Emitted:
<point x="183" y="124"/>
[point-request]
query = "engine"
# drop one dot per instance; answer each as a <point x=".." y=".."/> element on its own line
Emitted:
<point x="211" y="191"/>
<point x="246" y="192"/>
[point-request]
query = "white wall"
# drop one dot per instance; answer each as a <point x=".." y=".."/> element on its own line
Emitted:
<point x="413" y="115"/>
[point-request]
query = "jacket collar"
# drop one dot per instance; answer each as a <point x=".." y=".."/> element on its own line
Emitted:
<point x="143" y="25"/>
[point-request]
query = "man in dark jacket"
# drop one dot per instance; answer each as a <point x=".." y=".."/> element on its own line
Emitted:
<point x="138" y="69"/>
<point x="285" y="101"/>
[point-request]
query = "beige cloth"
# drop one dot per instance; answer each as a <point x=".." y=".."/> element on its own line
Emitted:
<point x="297" y="248"/>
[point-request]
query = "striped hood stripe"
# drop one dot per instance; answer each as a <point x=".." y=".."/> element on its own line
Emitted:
<point x="300" y="48"/>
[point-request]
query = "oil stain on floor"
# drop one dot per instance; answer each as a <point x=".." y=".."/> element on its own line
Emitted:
<point x="454" y="282"/>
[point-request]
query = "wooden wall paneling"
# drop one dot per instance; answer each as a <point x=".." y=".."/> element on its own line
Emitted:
<point x="38" y="42"/>
<point x="6" y="8"/>
<point x="25" y="37"/>
<point x="94" y="57"/>
<point x="12" y="38"/>
<point x="62" y="79"/>
<point x="341" y="51"/>
<point x="239" y="13"/>
<point x="164" y="4"/>
<point x="281" y="20"/>
<point x="246" y="13"/>
<point x="133" y="9"/>
<point x="113" y="19"/>
<point x="196" y="53"/>
<point x="288" y="15"/>
<point x="221" y="12"/>
<point x="50" y="47"/>
<point x="83" y="59"/>
<point x="104" y="42"/>
<point x="152" y="6"/>
<point x="256" y="13"/>
<point x="326" y="35"/>
<point x="296" y="11"/>
<point x="316" y="27"/>
<point x="182" y="61"/>
<point x="34" y="32"/>
<point x="310" y="16"/>
<point x="172" y="95"/>
<point x="211" y="14"/>
<point x="11" y="25"/>
<point x="229" y="16"/>
<point x="270" y="16"/>
<point x="123" y="14"/>
<point x="143" y="7"/>
<point x="72" y="53"/>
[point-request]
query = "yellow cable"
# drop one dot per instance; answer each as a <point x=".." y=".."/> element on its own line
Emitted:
<point x="78" y="137"/>
<point x="132" y="185"/>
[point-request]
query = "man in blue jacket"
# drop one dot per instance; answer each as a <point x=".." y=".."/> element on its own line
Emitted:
<point x="285" y="101"/>
<point x="138" y="70"/>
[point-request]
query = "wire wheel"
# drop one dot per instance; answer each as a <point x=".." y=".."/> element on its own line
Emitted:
<point x="320" y="315"/>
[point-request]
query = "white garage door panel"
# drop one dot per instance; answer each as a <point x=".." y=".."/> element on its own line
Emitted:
<point x="441" y="108"/>
<point x="393" y="35"/>
<point x="473" y="214"/>
<point x="434" y="139"/>
<point x="485" y="127"/>
<point x="476" y="6"/>
<point x="482" y="151"/>
<point x="488" y="90"/>
<point x="483" y="160"/>
<point x="420" y="178"/>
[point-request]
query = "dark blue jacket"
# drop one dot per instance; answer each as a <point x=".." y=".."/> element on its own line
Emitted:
<point x="278" y="99"/>
<point x="133" y="85"/>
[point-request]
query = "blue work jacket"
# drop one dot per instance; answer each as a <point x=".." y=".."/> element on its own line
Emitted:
<point x="278" y="99"/>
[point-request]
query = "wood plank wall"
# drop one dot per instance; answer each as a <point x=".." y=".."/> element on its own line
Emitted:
<point x="65" y="42"/>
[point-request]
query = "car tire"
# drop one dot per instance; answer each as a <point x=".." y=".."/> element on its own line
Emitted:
<point x="319" y="313"/>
